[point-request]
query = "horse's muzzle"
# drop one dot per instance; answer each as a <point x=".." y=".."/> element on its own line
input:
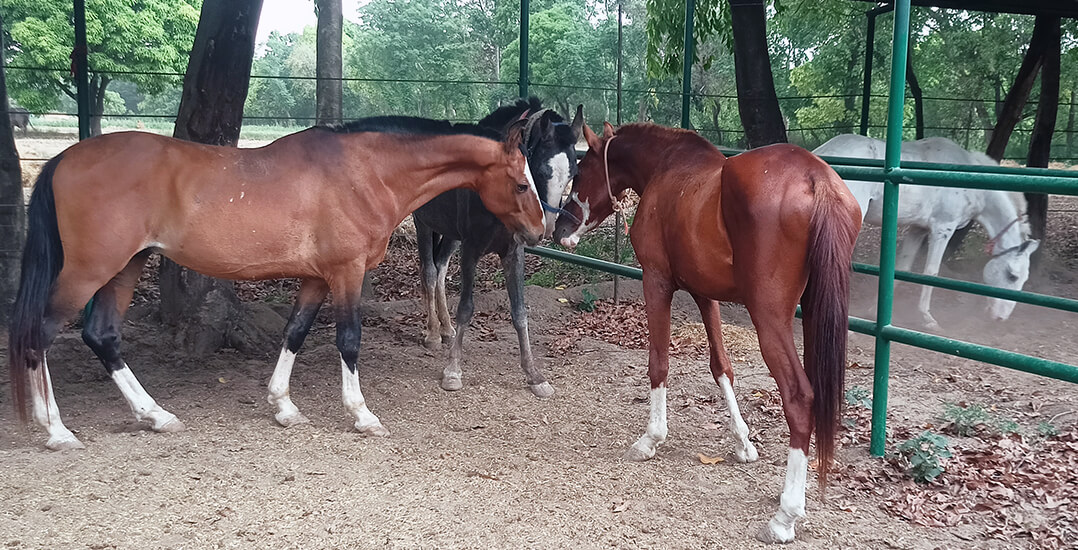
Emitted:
<point x="526" y="239"/>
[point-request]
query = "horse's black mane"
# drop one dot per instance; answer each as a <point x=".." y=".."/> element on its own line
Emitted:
<point x="502" y="116"/>
<point x="413" y="126"/>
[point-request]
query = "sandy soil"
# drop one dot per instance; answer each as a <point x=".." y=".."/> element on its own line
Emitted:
<point x="490" y="466"/>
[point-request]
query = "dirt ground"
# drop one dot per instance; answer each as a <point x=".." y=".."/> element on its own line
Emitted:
<point x="491" y="466"/>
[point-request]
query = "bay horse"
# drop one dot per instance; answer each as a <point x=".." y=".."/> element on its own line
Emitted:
<point x="458" y="218"/>
<point x="933" y="214"/>
<point x="318" y="205"/>
<point x="767" y="228"/>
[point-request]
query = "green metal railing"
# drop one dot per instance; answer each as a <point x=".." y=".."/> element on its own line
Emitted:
<point x="892" y="175"/>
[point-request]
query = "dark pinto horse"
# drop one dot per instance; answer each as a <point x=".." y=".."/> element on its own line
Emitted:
<point x="767" y="228"/>
<point x="318" y="205"/>
<point x="458" y="217"/>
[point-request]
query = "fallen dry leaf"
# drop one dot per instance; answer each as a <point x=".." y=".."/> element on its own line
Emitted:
<point x="704" y="459"/>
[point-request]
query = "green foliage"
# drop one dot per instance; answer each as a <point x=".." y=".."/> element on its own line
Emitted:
<point x="859" y="397"/>
<point x="1047" y="429"/>
<point x="587" y="301"/>
<point x="969" y="420"/>
<point x="923" y="455"/>
<point x="121" y="35"/>
<point x="597" y="244"/>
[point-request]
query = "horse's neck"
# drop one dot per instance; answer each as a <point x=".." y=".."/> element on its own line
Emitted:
<point x="638" y="167"/>
<point x="439" y="165"/>
<point x="999" y="220"/>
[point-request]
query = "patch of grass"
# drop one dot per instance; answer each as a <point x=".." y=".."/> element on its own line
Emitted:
<point x="924" y="456"/>
<point x="597" y="244"/>
<point x="859" y="397"/>
<point x="587" y="302"/>
<point x="1046" y="429"/>
<point x="966" y="421"/>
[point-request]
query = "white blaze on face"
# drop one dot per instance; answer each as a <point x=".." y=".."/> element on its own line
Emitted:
<point x="535" y="191"/>
<point x="559" y="180"/>
<point x="584" y="227"/>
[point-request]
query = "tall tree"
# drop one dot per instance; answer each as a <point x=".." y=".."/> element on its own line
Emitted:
<point x="330" y="90"/>
<point x="757" y="101"/>
<point x="1011" y="111"/>
<point x="147" y="36"/>
<point x="211" y="111"/>
<point x="1040" y="143"/>
<point x="12" y="213"/>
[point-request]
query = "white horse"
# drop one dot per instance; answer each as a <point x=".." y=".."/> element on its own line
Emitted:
<point x="935" y="213"/>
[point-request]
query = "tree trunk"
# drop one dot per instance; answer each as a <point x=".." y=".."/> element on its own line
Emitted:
<point x="12" y="209"/>
<point x="757" y="102"/>
<point x="1011" y="112"/>
<point x="328" y="65"/>
<point x="918" y="99"/>
<point x="204" y="310"/>
<point x="1070" y="122"/>
<point x="98" y="85"/>
<point x="1040" y="143"/>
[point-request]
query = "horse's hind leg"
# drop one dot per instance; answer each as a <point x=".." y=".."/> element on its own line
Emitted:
<point x="428" y="275"/>
<point x="723" y="372"/>
<point x="102" y="332"/>
<point x="442" y="254"/>
<point x="513" y="265"/>
<point x="469" y="257"/>
<point x="774" y="328"/>
<point x="312" y="292"/>
<point x="937" y="244"/>
<point x="657" y="295"/>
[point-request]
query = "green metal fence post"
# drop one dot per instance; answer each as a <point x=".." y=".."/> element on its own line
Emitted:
<point x="82" y="75"/>
<point x="686" y="72"/>
<point x="524" y="8"/>
<point x="895" y="107"/>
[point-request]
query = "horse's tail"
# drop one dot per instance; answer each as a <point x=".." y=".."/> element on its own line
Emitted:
<point x="42" y="259"/>
<point x="825" y="304"/>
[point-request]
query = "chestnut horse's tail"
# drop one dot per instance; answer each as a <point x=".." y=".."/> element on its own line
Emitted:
<point x="42" y="259"/>
<point x="825" y="304"/>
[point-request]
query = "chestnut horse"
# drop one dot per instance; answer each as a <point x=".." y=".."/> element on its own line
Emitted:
<point x="318" y="205"/>
<point x="767" y="228"/>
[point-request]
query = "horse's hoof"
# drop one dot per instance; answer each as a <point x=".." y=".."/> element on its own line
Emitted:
<point x="769" y="534"/>
<point x="172" y="426"/>
<point x="66" y="443"/>
<point x="291" y="420"/>
<point x="636" y="454"/>
<point x="542" y="390"/>
<point x="447" y="337"/>
<point x="452" y="383"/>
<point x="373" y="430"/>
<point x="746" y="454"/>
<point x="433" y="343"/>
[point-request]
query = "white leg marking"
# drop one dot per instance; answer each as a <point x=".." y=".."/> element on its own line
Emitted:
<point x="792" y="502"/>
<point x="47" y="414"/>
<point x="645" y="447"/>
<point x="144" y="407"/>
<point x="287" y="413"/>
<point x="744" y="450"/>
<point x="366" y="422"/>
<point x="442" y="305"/>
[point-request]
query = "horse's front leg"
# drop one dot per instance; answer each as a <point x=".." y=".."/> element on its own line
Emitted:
<point x="937" y="244"/>
<point x="513" y="265"/>
<point x="312" y="292"/>
<point x="658" y="291"/>
<point x="469" y="257"/>
<point x="723" y="373"/>
<point x="346" y="288"/>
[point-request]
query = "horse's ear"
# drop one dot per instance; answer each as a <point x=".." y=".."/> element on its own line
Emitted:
<point x="595" y="143"/>
<point x="514" y="136"/>
<point x="608" y="130"/>
<point x="1029" y="246"/>
<point x="578" y="122"/>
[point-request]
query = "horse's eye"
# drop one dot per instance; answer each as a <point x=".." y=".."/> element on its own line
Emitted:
<point x="522" y="187"/>
<point x="1012" y="277"/>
